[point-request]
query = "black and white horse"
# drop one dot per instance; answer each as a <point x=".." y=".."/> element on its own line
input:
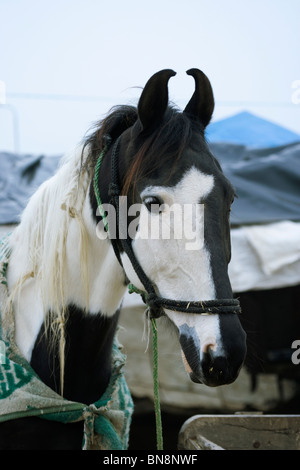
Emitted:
<point x="164" y="162"/>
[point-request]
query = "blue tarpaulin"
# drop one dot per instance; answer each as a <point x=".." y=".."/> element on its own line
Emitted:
<point x="252" y="131"/>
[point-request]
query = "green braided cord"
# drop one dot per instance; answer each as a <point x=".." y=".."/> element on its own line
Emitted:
<point x="159" y="438"/>
<point x="131" y="289"/>
<point x="134" y="290"/>
<point x="96" y="189"/>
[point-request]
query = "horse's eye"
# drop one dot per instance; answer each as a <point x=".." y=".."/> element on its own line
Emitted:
<point x="153" y="204"/>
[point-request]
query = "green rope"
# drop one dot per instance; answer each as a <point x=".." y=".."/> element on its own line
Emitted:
<point x="96" y="188"/>
<point x="131" y="289"/>
<point x="159" y="436"/>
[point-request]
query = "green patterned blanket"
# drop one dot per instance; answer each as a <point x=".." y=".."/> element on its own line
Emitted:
<point x="23" y="394"/>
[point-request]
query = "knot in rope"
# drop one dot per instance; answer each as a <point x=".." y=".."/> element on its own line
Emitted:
<point x="152" y="301"/>
<point x="154" y="305"/>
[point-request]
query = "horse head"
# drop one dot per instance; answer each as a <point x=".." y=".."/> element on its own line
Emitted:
<point x="181" y="238"/>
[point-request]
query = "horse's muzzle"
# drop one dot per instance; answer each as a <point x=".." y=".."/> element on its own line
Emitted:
<point x="215" y="371"/>
<point x="215" y="365"/>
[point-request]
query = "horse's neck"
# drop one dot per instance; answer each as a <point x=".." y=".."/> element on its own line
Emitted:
<point x="103" y="277"/>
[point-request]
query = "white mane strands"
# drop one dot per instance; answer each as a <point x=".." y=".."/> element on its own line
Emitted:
<point x="40" y="242"/>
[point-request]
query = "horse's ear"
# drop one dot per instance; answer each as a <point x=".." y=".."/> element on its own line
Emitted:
<point x="202" y="103"/>
<point x="154" y="99"/>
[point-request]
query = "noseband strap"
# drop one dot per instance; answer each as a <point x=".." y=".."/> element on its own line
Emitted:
<point x="154" y="302"/>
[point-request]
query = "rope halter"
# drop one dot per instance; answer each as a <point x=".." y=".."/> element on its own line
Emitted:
<point x="155" y="303"/>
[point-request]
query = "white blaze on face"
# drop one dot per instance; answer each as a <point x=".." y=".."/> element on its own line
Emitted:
<point x="178" y="265"/>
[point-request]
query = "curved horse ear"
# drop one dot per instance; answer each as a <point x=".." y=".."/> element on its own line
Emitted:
<point x="154" y="99"/>
<point x="202" y="103"/>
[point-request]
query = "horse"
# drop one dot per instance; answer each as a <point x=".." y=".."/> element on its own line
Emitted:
<point x="67" y="272"/>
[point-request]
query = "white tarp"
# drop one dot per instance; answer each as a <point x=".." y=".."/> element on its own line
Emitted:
<point x="265" y="256"/>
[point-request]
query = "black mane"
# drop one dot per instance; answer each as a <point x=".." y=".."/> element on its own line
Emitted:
<point x="163" y="145"/>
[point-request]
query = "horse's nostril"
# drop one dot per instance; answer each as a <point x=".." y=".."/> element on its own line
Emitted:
<point x="209" y="348"/>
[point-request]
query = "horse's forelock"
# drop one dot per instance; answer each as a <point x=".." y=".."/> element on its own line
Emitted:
<point x="164" y="145"/>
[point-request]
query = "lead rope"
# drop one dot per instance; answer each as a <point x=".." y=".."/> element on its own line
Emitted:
<point x="96" y="188"/>
<point x="159" y="436"/>
<point x="131" y="289"/>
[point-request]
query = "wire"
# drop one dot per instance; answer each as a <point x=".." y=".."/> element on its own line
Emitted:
<point x="90" y="98"/>
<point x="56" y="97"/>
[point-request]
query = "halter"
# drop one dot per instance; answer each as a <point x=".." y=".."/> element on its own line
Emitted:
<point x="154" y="302"/>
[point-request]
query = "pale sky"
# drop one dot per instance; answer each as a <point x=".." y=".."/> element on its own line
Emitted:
<point x="65" y="63"/>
